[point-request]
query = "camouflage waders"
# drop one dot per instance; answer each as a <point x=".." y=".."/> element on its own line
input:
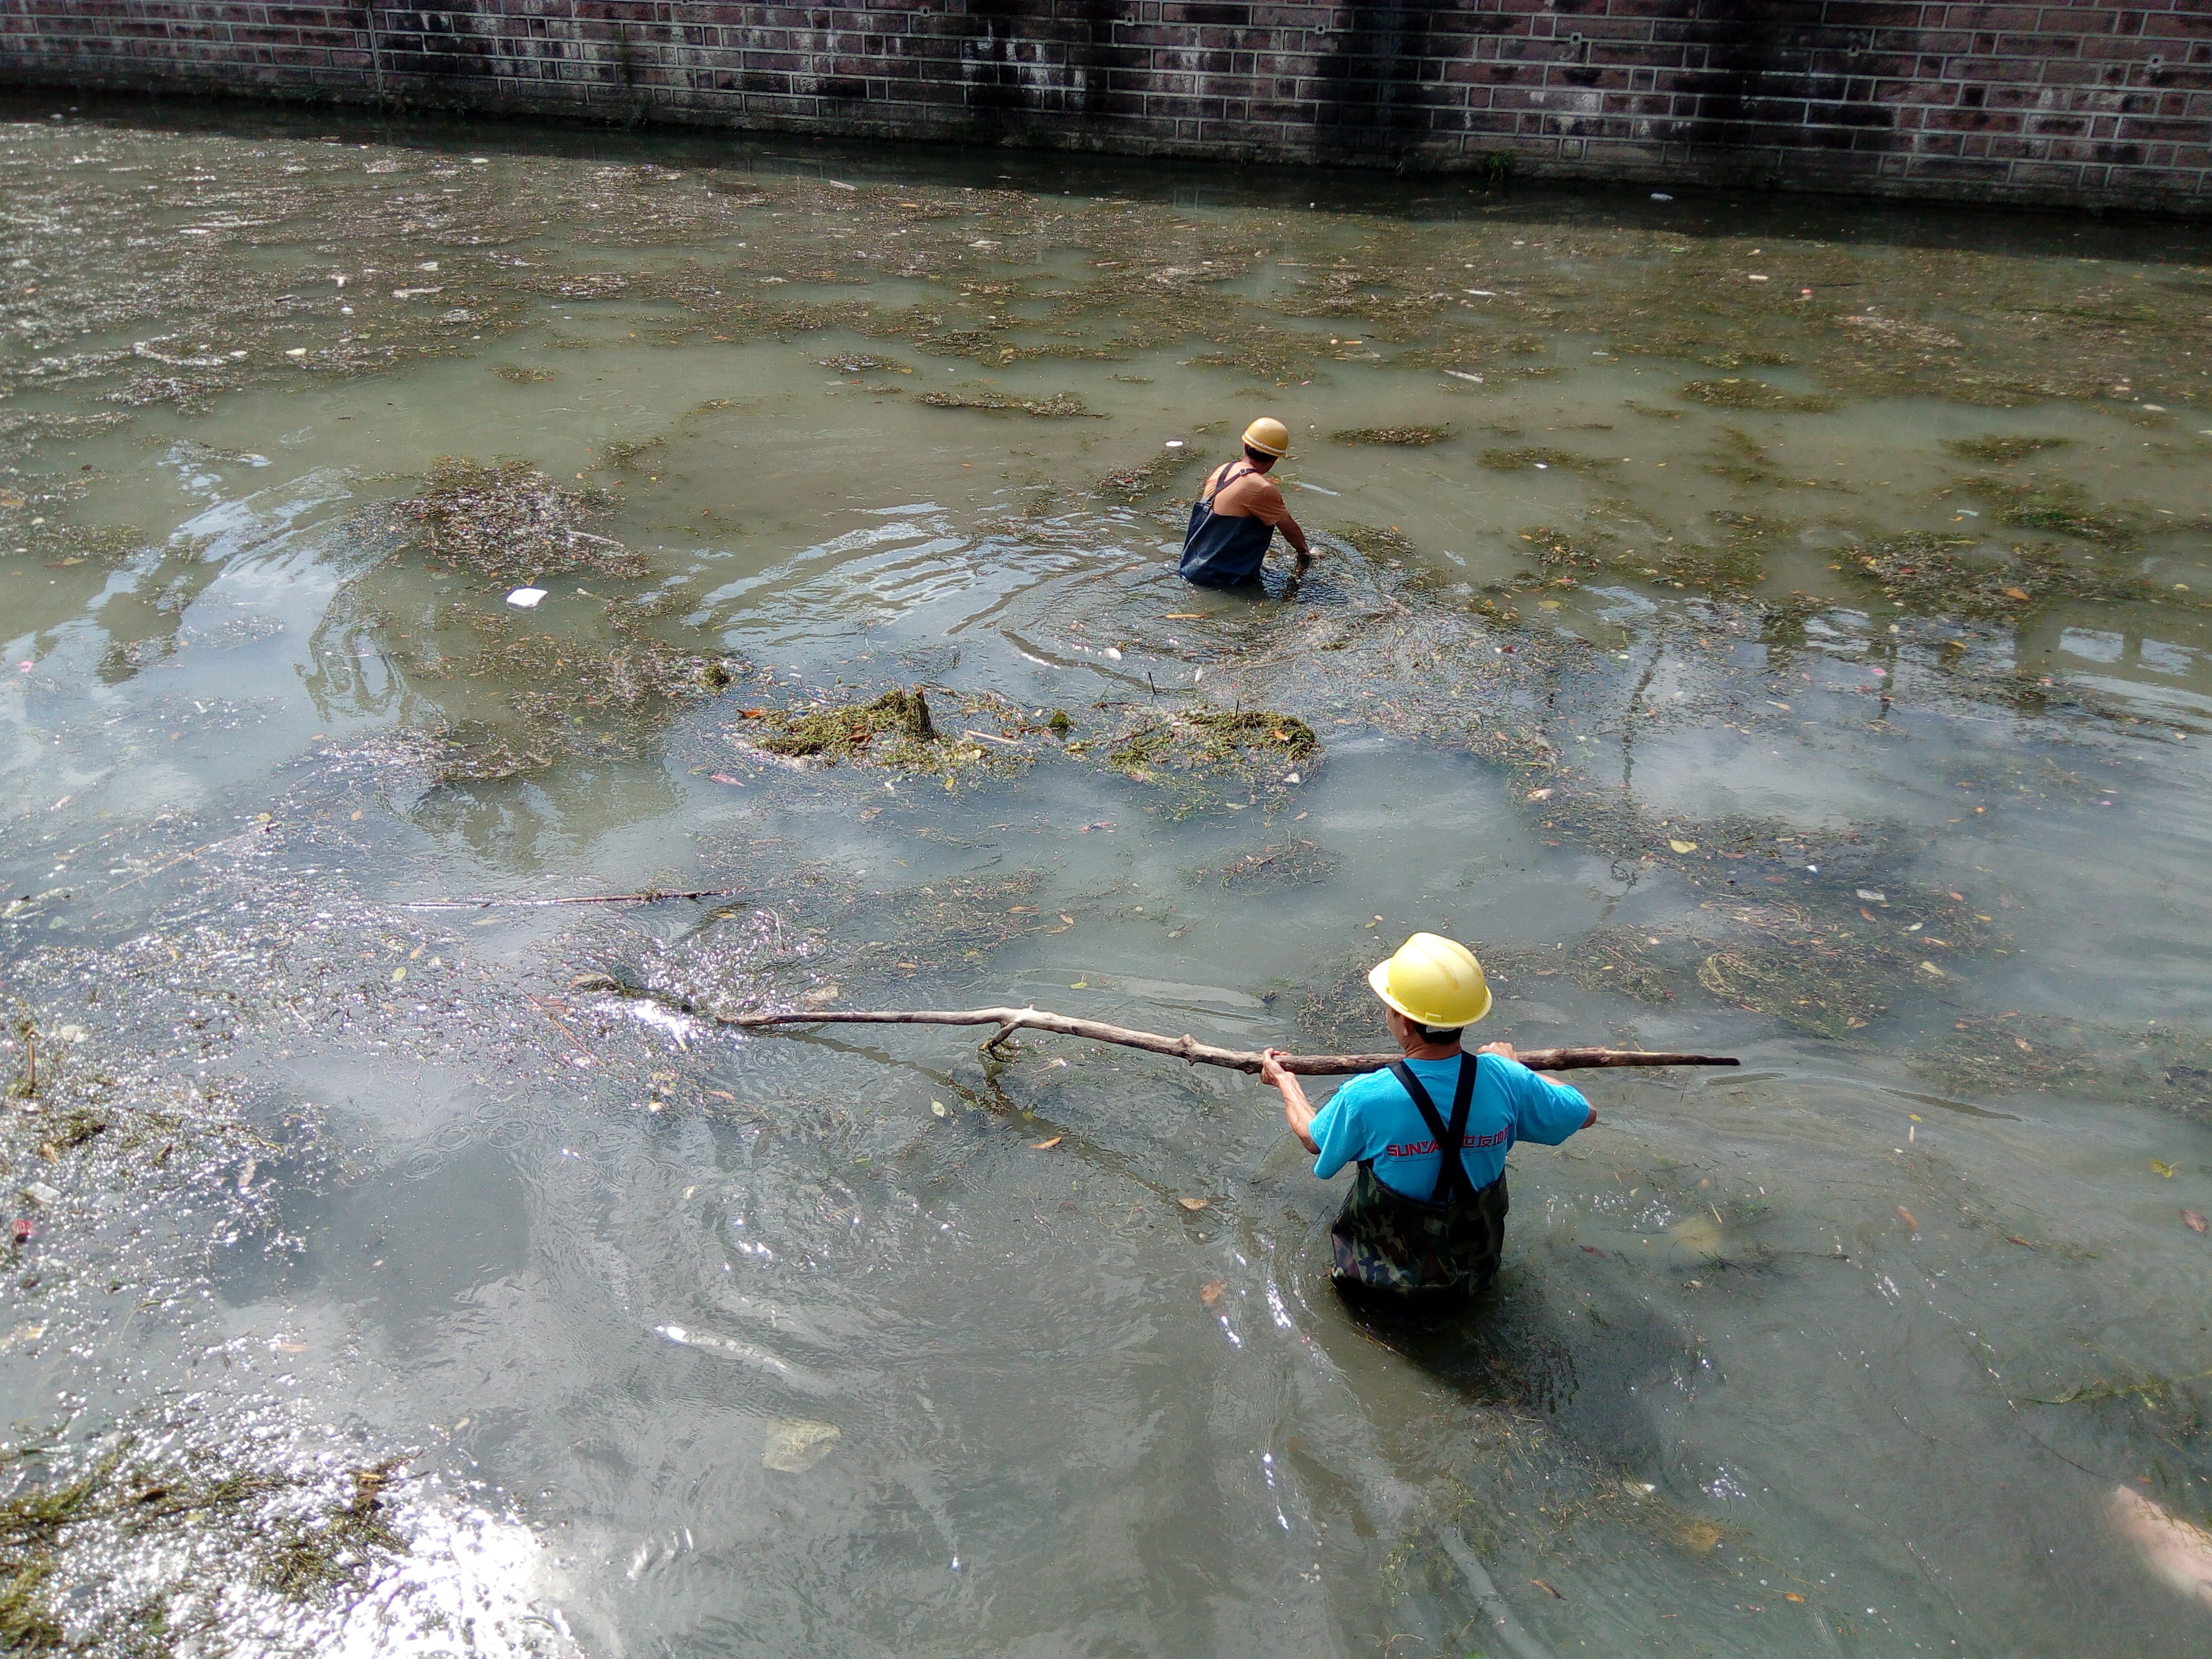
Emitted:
<point x="1450" y="1242"/>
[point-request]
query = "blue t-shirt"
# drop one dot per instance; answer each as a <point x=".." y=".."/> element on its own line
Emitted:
<point x="1372" y="1117"/>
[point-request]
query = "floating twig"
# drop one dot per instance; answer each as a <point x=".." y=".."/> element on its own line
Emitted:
<point x="1010" y="1020"/>
<point x="650" y="896"/>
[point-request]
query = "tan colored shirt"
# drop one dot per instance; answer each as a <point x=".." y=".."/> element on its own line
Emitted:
<point x="1249" y="495"/>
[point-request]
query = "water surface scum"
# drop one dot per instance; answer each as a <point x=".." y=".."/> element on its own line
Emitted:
<point x="486" y="607"/>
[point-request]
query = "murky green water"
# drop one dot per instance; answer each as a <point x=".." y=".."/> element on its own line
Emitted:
<point x="1728" y="667"/>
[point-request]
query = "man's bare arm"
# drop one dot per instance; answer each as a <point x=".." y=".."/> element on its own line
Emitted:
<point x="1298" y="1111"/>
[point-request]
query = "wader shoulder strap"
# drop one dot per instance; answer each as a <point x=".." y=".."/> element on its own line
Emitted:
<point x="1452" y="1184"/>
<point x="1228" y="475"/>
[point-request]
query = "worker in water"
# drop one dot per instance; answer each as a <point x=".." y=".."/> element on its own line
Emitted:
<point x="1426" y="1215"/>
<point x="1233" y="521"/>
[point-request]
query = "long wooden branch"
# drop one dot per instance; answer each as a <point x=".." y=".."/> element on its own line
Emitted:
<point x="1010" y="1020"/>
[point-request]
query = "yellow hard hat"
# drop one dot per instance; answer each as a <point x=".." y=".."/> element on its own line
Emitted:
<point x="1268" y="436"/>
<point x="1433" y="982"/>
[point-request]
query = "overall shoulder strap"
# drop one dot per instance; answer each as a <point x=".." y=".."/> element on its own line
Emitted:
<point x="1422" y="1104"/>
<point x="1452" y="1182"/>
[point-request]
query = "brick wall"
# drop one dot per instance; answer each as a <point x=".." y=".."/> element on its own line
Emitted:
<point x="2075" y="103"/>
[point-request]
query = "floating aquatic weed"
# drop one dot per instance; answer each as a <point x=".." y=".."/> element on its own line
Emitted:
<point x="1735" y="564"/>
<point x="2150" y="1391"/>
<point x="1383" y="543"/>
<point x="627" y="691"/>
<point x="1797" y="982"/>
<point x="862" y="362"/>
<point x="1898" y="332"/>
<point x="1403" y="437"/>
<point x="817" y="937"/>
<point x="1741" y="461"/>
<point x="1516" y="460"/>
<point x="1293" y="863"/>
<point x="1738" y="393"/>
<point x="838" y="733"/>
<point x="1142" y="478"/>
<point x="509" y="522"/>
<point x="623" y="453"/>
<point x="1203" y="739"/>
<point x="2043" y="501"/>
<point x="1611" y="959"/>
<point x="1556" y="551"/>
<point x="1273" y="354"/>
<point x="896" y="730"/>
<point x="1063" y="405"/>
<point x="470" y="752"/>
<point x="1932" y="575"/>
<point x="156" y="1540"/>
<point x="1460" y="352"/>
<point x="522" y="374"/>
<point x="1994" y="1055"/>
<point x="2168" y="1065"/>
<point x="2002" y="450"/>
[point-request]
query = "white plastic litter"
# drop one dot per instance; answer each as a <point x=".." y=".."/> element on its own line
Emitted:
<point x="525" y="598"/>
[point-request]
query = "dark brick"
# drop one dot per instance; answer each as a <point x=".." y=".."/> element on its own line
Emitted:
<point x="2041" y="101"/>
